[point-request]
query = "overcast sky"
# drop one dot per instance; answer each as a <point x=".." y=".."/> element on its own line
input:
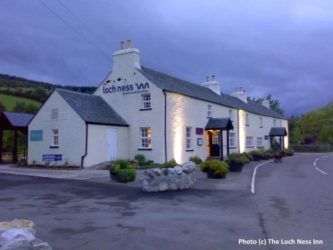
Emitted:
<point x="280" y="47"/>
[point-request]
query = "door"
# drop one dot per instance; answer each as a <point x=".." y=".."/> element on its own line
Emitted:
<point x="214" y="146"/>
<point x="112" y="144"/>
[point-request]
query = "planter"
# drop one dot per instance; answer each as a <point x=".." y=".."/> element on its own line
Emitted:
<point x="236" y="168"/>
<point x="210" y="175"/>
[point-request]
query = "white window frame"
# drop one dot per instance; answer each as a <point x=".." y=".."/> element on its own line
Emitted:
<point x="260" y="142"/>
<point x="232" y="139"/>
<point x="209" y="111"/>
<point x="146" y="101"/>
<point x="260" y="122"/>
<point x="54" y="114"/>
<point x="274" y="122"/>
<point x="188" y="135"/>
<point x="145" y="138"/>
<point x="54" y="137"/>
<point x="249" y="141"/>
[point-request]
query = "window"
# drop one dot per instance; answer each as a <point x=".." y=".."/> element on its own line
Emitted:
<point x="232" y="140"/>
<point x="54" y="114"/>
<point x="249" y="141"/>
<point x="145" y="138"/>
<point x="260" y="142"/>
<point x="274" y="122"/>
<point x="231" y="114"/>
<point x="247" y="121"/>
<point x="209" y="111"/>
<point x="188" y="138"/>
<point x="145" y="102"/>
<point x="260" y="121"/>
<point x="54" y="138"/>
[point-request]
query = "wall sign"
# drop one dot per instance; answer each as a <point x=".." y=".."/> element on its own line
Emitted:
<point x="36" y="135"/>
<point x="126" y="89"/>
<point x="199" y="131"/>
<point x="52" y="157"/>
<point x="199" y="141"/>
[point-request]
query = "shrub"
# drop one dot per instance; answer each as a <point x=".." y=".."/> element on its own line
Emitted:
<point x="215" y="168"/>
<point x="141" y="159"/>
<point x="248" y="156"/>
<point x="196" y="159"/>
<point x="126" y="175"/>
<point x="123" y="171"/>
<point x="22" y="163"/>
<point x="257" y="155"/>
<point x="237" y="160"/>
<point x="267" y="154"/>
<point x="170" y="164"/>
<point x="289" y="152"/>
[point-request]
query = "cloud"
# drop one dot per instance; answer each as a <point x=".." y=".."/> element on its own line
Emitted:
<point x="279" y="47"/>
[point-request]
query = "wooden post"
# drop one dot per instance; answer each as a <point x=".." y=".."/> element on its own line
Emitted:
<point x="1" y="144"/>
<point x="15" y="147"/>
<point x="221" y="144"/>
<point x="228" y="151"/>
<point x="280" y="142"/>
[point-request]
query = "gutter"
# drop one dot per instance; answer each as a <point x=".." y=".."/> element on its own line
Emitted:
<point x="165" y="125"/>
<point x="86" y="147"/>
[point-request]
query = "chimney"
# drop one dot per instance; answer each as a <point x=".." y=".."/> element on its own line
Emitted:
<point x="126" y="58"/>
<point x="265" y="103"/>
<point x="240" y="93"/>
<point x="212" y="84"/>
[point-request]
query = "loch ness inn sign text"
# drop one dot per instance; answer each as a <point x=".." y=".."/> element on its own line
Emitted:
<point x="126" y="89"/>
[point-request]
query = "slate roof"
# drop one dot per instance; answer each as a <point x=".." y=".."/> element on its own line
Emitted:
<point x="176" y="85"/>
<point x="278" y="131"/>
<point x="92" y="108"/>
<point x="18" y="119"/>
<point x="219" y="123"/>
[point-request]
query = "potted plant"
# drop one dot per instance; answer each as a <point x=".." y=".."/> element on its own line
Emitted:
<point x="236" y="162"/>
<point x="215" y="169"/>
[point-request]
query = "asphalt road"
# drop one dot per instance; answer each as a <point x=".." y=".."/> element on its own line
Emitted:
<point x="82" y="215"/>
<point x="295" y="201"/>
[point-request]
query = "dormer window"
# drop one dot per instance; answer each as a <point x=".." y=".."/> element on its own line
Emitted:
<point x="54" y="114"/>
<point x="145" y="102"/>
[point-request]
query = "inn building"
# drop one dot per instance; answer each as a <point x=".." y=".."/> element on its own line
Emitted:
<point x="138" y="110"/>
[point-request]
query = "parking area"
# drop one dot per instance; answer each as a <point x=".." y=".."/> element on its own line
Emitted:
<point x="95" y="214"/>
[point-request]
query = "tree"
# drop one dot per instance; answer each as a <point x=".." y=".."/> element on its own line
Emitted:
<point x="2" y="107"/>
<point x="273" y="103"/>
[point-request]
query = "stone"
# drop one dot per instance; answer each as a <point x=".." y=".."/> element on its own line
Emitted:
<point x="163" y="186"/>
<point x="16" y="223"/>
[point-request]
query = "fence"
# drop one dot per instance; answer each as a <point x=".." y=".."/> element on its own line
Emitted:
<point x="312" y="147"/>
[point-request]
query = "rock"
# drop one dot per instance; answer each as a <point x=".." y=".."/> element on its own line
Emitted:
<point x="16" y="223"/>
<point x="176" y="178"/>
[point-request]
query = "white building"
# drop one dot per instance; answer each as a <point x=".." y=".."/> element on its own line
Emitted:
<point x="137" y="110"/>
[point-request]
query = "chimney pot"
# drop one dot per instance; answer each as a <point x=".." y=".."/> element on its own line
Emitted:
<point x="213" y="77"/>
<point x="129" y="44"/>
<point x="122" y="45"/>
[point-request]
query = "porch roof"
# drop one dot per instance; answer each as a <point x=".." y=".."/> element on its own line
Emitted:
<point x="278" y="131"/>
<point x="219" y="123"/>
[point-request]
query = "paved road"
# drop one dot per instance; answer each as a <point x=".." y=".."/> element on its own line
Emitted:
<point x="73" y="214"/>
<point x="295" y="201"/>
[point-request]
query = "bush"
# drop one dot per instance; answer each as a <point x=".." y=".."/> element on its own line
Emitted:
<point x="215" y="168"/>
<point x="257" y="155"/>
<point x="169" y="164"/>
<point x="267" y="154"/>
<point x="237" y="160"/>
<point x="196" y="159"/>
<point x="141" y="159"/>
<point x="126" y="175"/>
<point x="123" y="171"/>
<point x="289" y="152"/>
<point x="248" y="156"/>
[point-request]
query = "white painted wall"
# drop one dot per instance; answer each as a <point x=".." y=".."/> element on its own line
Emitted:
<point x="129" y="105"/>
<point x="71" y="133"/>
<point x="97" y="144"/>
<point x="185" y="111"/>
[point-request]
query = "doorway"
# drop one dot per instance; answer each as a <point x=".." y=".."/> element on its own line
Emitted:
<point x="214" y="137"/>
<point x="112" y="144"/>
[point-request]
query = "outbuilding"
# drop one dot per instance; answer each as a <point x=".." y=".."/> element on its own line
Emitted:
<point x="138" y="110"/>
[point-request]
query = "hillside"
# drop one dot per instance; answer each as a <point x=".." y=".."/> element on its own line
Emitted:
<point x="22" y="95"/>
<point x="313" y="127"/>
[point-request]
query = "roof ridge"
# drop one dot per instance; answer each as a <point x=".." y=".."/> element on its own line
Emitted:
<point x="74" y="92"/>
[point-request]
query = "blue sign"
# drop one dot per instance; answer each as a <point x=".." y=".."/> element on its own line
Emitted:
<point x="52" y="157"/>
<point x="36" y="135"/>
